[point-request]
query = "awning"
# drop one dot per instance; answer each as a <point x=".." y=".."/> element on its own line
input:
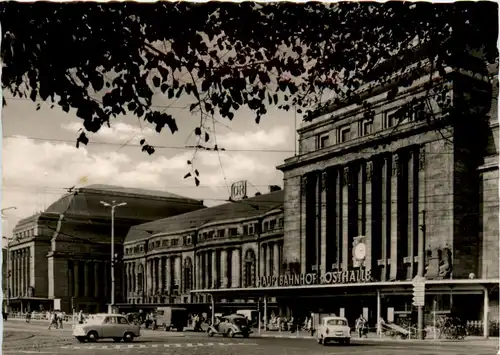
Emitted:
<point x="367" y="288"/>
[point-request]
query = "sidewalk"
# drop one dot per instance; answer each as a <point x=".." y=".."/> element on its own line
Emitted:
<point x="492" y="341"/>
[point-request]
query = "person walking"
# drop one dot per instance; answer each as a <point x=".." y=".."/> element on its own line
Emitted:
<point x="52" y="320"/>
<point x="360" y="325"/>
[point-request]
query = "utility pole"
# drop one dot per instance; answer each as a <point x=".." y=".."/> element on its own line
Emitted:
<point x="8" y="257"/>
<point x="420" y="273"/>
<point x="113" y="205"/>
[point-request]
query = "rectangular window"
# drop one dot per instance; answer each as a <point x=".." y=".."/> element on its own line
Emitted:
<point x="233" y="232"/>
<point x="165" y="243"/>
<point x="211" y="235"/>
<point x="265" y="227"/>
<point x="323" y="141"/>
<point x="344" y="133"/>
<point x="174" y="242"/>
<point x="221" y="233"/>
<point x="245" y="230"/>
<point x="365" y="127"/>
<point x="157" y="243"/>
<point x="272" y="224"/>
<point x="251" y="229"/>
<point x="281" y="223"/>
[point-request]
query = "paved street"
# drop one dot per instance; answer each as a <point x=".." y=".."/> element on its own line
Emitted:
<point x="20" y="338"/>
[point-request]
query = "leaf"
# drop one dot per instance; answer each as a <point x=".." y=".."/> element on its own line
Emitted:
<point x="156" y="81"/>
<point x="97" y="82"/>
<point x="197" y="131"/>
<point x="142" y="141"/>
<point x="196" y="181"/>
<point x="82" y="138"/>
<point x="189" y="162"/>
<point x="187" y="175"/>
<point x="197" y="173"/>
<point x="207" y="137"/>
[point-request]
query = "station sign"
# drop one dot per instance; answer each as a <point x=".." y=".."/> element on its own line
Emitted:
<point x="329" y="278"/>
<point x="239" y="190"/>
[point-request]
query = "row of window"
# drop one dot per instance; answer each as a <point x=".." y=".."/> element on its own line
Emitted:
<point x="247" y="229"/>
<point x="391" y="118"/>
<point x="25" y="234"/>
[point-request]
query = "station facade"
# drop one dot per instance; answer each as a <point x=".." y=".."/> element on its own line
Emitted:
<point x="372" y="185"/>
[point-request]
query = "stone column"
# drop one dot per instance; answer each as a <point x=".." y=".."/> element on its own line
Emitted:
<point x="386" y="204"/>
<point x="420" y="195"/>
<point x="268" y="259"/>
<point x="160" y="274"/>
<point x="360" y="203"/>
<point x="148" y="278"/>
<point x="198" y="271"/>
<point x="178" y="271"/>
<point x="28" y="268"/>
<point x="346" y="180"/>
<point x="223" y="267"/>
<point x="412" y="218"/>
<point x="206" y="267"/>
<point x="368" y="215"/>
<point x="21" y="272"/>
<point x="154" y="275"/>
<point x="168" y="272"/>
<point x="96" y="279"/>
<point x="128" y="278"/>
<point x="235" y="269"/>
<point x="11" y="269"/>
<point x="303" y="200"/>
<point x="394" y="217"/>
<point x="215" y="276"/>
<point x="276" y="259"/>
<point x="324" y="221"/>
<point x="338" y="217"/>
<point x="86" y="278"/>
<point x="76" y="278"/>
<point x="262" y="261"/>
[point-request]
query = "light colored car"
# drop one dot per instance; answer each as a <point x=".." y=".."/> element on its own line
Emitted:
<point x="334" y="328"/>
<point x="114" y="326"/>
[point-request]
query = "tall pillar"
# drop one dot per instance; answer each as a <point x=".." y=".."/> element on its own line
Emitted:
<point x="148" y="278"/>
<point x="207" y="266"/>
<point x="178" y="271"/>
<point x="394" y="217"/>
<point x="386" y="202"/>
<point x="168" y="272"/>
<point x="262" y="261"/>
<point x="323" y="220"/>
<point x="276" y="259"/>
<point x="21" y="272"/>
<point x="421" y="204"/>
<point x="412" y="217"/>
<point x="303" y="204"/>
<point x="96" y="279"/>
<point x="345" y="218"/>
<point x="161" y="271"/>
<point x="368" y="214"/>
<point x="360" y="203"/>
<point x="86" y="278"/>
<point x="215" y="277"/>
<point x="129" y="279"/>
<point x="11" y="269"/>
<point x="338" y="217"/>
<point x="223" y="267"/>
<point x="76" y="278"/>
<point x="268" y="259"/>
<point x="28" y="268"/>
<point x="154" y="275"/>
<point x="235" y="269"/>
<point x="198" y="270"/>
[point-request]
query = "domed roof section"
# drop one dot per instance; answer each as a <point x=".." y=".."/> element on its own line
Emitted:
<point x="142" y="204"/>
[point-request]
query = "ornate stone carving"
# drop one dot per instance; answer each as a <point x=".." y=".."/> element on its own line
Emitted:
<point x="395" y="165"/>
<point x="345" y="180"/>
<point x="369" y="170"/>
<point x="444" y="263"/>
<point x="421" y="160"/>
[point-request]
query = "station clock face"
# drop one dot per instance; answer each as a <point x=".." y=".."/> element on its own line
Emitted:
<point x="360" y="251"/>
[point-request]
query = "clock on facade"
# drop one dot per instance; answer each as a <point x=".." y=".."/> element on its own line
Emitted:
<point x="360" y="251"/>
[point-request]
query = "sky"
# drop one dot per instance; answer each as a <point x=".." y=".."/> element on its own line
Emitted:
<point x="40" y="159"/>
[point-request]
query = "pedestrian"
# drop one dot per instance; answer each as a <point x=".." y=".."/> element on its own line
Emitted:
<point x="80" y="317"/>
<point x="360" y="326"/>
<point x="52" y="320"/>
<point x="60" y="318"/>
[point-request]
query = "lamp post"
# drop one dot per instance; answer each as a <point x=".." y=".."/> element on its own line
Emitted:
<point x="113" y="205"/>
<point x="8" y="256"/>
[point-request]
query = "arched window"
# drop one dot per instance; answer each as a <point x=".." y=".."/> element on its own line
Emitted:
<point x="187" y="275"/>
<point x="249" y="269"/>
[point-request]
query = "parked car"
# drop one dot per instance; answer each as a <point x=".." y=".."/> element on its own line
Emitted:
<point x="171" y="318"/>
<point x="114" y="326"/>
<point x="334" y="328"/>
<point x="230" y="326"/>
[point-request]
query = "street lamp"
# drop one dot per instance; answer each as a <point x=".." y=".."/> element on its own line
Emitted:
<point x="113" y="205"/>
<point x="8" y="256"/>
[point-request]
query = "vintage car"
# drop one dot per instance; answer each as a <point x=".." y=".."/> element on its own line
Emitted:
<point x="114" y="326"/>
<point x="230" y="326"/>
<point x="333" y="328"/>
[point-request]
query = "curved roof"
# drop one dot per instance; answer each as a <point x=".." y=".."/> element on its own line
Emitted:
<point x="251" y="207"/>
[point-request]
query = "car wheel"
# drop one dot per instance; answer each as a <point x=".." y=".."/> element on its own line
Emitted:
<point x="230" y="333"/>
<point x="246" y="335"/>
<point x="92" y="336"/>
<point x="347" y="341"/>
<point x="325" y="342"/>
<point x="128" y="337"/>
<point x="117" y="340"/>
<point x="80" y="339"/>
<point x="180" y="329"/>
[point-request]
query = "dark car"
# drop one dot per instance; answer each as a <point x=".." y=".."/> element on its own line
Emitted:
<point x="230" y="326"/>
